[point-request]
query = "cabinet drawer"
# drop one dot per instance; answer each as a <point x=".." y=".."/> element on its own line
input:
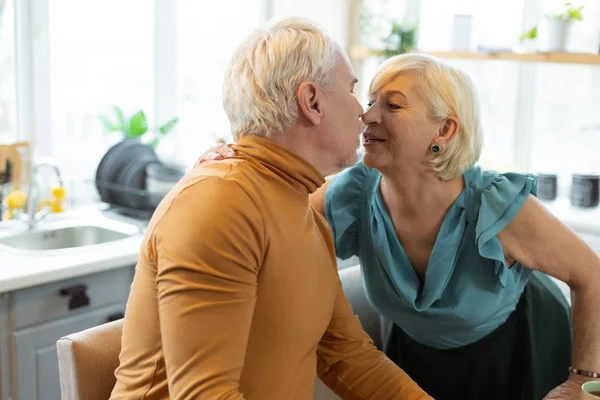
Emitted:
<point x="69" y="297"/>
<point x="35" y="360"/>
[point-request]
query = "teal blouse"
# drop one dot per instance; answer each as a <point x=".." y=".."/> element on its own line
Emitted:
<point x="468" y="290"/>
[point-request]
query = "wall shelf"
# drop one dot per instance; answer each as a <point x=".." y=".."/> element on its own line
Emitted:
<point x="360" y="52"/>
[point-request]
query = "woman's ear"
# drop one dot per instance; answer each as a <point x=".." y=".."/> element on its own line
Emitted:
<point x="448" y="130"/>
<point x="310" y="102"/>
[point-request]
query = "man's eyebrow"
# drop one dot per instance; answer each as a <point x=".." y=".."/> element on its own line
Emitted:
<point x="355" y="81"/>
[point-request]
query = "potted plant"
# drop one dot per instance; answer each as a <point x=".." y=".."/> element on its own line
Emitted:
<point x="559" y="26"/>
<point x="400" y="40"/>
<point x="136" y="126"/>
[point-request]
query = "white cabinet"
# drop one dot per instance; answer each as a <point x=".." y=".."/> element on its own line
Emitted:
<point x="33" y="319"/>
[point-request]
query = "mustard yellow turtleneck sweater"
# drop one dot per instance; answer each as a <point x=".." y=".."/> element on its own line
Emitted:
<point x="236" y="294"/>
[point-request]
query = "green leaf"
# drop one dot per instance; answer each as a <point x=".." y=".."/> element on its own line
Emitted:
<point x="168" y="126"/>
<point x="138" y="124"/>
<point x="575" y="13"/>
<point x="120" y="118"/>
<point x="569" y="14"/>
<point x="154" y="142"/>
<point x="530" y="34"/>
<point x="109" y="126"/>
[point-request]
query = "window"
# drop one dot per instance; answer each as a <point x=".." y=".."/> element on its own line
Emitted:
<point x="536" y="117"/>
<point x="565" y="118"/>
<point x="8" y="108"/>
<point x="99" y="57"/>
<point x="495" y="24"/>
<point x="497" y="86"/>
<point x="496" y="82"/>
<point x="375" y="23"/>
<point x="166" y="57"/>
<point x="376" y="17"/>
<point x="205" y="43"/>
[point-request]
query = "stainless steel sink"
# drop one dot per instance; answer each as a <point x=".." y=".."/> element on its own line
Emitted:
<point x="63" y="238"/>
<point x="67" y="235"/>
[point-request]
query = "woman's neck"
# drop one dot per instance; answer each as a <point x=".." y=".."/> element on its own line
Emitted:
<point x="419" y="192"/>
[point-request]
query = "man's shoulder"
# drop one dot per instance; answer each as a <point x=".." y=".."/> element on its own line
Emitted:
<point x="206" y="192"/>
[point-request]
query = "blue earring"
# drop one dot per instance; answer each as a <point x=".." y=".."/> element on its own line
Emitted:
<point x="436" y="148"/>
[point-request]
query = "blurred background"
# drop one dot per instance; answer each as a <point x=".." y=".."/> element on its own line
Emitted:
<point x="71" y="71"/>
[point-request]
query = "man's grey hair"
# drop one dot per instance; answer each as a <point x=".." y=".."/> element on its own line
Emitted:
<point x="261" y="83"/>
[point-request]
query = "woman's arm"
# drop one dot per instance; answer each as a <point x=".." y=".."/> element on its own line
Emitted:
<point x="538" y="240"/>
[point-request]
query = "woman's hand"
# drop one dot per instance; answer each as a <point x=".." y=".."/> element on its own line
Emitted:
<point x="570" y="390"/>
<point x="218" y="152"/>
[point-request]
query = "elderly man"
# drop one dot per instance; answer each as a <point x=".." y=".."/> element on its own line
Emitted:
<point x="236" y="293"/>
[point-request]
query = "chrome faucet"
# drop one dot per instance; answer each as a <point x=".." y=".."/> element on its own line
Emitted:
<point x="33" y="196"/>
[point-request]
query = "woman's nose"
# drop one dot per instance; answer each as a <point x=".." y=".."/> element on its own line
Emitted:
<point x="370" y="116"/>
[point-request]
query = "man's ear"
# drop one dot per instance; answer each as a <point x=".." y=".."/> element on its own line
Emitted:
<point x="310" y="97"/>
<point x="448" y="130"/>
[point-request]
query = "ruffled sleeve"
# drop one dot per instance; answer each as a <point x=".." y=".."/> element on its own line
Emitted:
<point x="501" y="200"/>
<point x="342" y="208"/>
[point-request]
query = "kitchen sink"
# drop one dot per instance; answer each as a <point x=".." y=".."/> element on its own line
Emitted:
<point x="68" y="234"/>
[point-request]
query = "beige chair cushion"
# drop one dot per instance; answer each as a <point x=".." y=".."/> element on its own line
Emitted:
<point x="87" y="361"/>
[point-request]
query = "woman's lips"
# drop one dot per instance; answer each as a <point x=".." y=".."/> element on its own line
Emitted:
<point x="370" y="141"/>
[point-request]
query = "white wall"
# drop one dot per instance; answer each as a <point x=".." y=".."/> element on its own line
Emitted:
<point x="332" y="15"/>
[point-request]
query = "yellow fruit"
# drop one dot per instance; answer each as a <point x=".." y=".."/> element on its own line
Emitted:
<point x="16" y="200"/>
<point x="59" y="192"/>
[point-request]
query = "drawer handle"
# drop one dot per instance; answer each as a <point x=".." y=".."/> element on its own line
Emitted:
<point x="115" y="317"/>
<point x="78" y="296"/>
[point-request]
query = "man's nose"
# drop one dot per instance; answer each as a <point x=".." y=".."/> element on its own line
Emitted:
<point x="361" y="110"/>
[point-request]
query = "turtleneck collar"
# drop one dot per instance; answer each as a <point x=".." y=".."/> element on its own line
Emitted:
<point x="285" y="163"/>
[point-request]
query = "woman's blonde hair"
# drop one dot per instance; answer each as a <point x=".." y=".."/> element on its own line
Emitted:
<point x="447" y="91"/>
<point x="259" y="93"/>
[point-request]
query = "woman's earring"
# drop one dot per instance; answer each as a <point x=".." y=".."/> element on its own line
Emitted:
<point x="436" y="148"/>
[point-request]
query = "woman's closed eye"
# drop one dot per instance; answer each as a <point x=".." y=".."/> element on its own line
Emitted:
<point x="391" y="106"/>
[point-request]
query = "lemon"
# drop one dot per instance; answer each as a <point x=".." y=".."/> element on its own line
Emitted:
<point x="16" y="200"/>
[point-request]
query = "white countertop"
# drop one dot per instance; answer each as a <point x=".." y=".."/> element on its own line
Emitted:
<point x="579" y="219"/>
<point x="18" y="270"/>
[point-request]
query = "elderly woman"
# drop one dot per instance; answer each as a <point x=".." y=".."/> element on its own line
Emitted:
<point x="456" y="256"/>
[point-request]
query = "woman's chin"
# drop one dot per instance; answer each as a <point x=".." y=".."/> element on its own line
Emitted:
<point x="371" y="159"/>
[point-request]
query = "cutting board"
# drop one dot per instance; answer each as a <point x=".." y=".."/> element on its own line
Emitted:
<point x="19" y="155"/>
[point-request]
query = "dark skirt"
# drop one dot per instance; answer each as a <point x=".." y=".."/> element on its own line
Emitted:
<point x="523" y="359"/>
